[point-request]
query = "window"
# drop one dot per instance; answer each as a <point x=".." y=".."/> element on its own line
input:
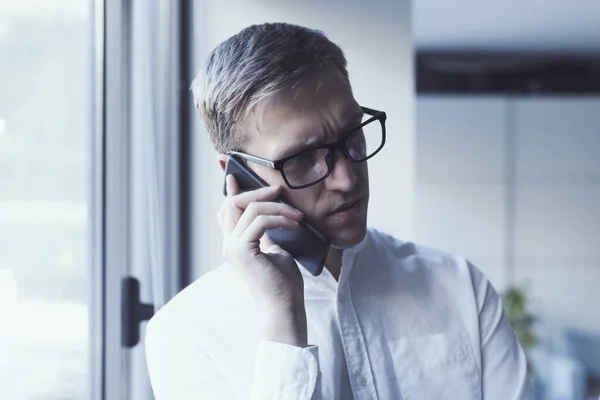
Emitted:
<point x="45" y="76"/>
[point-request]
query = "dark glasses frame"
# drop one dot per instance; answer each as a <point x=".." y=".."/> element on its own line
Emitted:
<point x="331" y="147"/>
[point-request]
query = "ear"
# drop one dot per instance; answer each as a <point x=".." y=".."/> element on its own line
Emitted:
<point x="222" y="159"/>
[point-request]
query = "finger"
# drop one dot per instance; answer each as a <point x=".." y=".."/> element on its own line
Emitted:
<point x="228" y="217"/>
<point x="262" y="223"/>
<point x="265" y="208"/>
<point x="232" y="186"/>
<point x="230" y="213"/>
<point x="267" y="193"/>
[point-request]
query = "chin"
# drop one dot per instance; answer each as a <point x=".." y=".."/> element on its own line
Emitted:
<point x="346" y="237"/>
<point x="348" y="229"/>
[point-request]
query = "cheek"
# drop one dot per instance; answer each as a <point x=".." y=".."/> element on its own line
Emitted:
<point x="271" y="176"/>
<point x="362" y="173"/>
<point x="305" y="200"/>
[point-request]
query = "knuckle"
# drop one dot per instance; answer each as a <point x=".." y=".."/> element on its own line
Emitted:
<point x="252" y="208"/>
<point x="229" y="201"/>
<point x="261" y="219"/>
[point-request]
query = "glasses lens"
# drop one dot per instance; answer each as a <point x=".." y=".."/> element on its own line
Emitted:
<point x="363" y="143"/>
<point x="307" y="167"/>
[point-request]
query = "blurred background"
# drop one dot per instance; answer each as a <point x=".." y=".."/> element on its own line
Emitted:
<point x="106" y="173"/>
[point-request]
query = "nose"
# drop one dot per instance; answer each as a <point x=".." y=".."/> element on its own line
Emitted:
<point x="342" y="177"/>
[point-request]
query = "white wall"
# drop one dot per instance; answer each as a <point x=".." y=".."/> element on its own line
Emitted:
<point x="463" y="162"/>
<point x="376" y="39"/>
<point x="558" y="206"/>
<point x="460" y="191"/>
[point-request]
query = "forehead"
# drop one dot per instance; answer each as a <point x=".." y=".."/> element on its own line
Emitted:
<point x="315" y="113"/>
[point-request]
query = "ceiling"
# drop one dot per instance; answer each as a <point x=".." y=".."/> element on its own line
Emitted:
<point x="507" y="25"/>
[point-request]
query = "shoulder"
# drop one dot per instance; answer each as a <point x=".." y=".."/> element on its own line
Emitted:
<point x="434" y="279"/>
<point x="198" y="304"/>
<point x="411" y="257"/>
<point x="400" y="252"/>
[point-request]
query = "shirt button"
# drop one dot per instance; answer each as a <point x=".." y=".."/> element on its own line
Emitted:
<point x="302" y="377"/>
<point x="362" y="381"/>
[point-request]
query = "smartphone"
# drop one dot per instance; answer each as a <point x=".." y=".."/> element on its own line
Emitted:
<point x="306" y="244"/>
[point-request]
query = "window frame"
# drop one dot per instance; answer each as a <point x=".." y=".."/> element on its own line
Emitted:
<point x="118" y="372"/>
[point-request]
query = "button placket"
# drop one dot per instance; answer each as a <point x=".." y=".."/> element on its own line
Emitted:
<point x="354" y="348"/>
<point x="351" y="337"/>
<point x="362" y="381"/>
<point x="302" y="377"/>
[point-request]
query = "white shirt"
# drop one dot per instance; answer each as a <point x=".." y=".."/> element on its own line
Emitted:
<point x="404" y="322"/>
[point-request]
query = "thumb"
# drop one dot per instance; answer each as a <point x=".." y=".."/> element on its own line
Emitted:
<point x="267" y="245"/>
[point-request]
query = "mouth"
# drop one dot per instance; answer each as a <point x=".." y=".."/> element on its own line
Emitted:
<point x="347" y="209"/>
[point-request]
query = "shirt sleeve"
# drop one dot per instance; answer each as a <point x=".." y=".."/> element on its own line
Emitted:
<point x="180" y="370"/>
<point x="286" y="372"/>
<point x="503" y="362"/>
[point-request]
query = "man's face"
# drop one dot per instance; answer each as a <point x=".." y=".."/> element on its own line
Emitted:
<point x="320" y="113"/>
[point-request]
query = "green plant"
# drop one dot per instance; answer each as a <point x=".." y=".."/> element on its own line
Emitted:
<point x="515" y="303"/>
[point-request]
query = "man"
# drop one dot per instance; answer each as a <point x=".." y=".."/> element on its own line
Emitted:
<point x="385" y="320"/>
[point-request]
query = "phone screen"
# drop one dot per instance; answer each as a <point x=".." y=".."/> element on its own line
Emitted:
<point x="306" y="244"/>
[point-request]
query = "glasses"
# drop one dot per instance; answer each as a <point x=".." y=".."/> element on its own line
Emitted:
<point x="313" y="165"/>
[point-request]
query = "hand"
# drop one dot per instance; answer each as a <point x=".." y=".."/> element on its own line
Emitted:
<point x="270" y="272"/>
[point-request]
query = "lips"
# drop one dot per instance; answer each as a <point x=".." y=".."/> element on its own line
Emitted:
<point x="346" y="206"/>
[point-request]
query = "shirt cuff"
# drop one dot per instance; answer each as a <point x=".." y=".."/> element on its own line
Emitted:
<point x="285" y="372"/>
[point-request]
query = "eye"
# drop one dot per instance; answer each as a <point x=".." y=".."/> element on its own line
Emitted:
<point x="301" y="163"/>
<point x="304" y="159"/>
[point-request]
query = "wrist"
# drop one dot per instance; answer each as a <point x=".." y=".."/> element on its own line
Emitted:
<point x="278" y="307"/>
<point x="286" y="325"/>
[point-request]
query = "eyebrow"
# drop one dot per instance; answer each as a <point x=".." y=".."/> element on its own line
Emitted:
<point x="354" y="120"/>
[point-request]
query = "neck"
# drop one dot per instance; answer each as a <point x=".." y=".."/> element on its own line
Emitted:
<point x="334" y="262"/>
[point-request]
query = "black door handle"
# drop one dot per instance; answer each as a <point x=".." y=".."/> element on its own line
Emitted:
<point x="133" y="312"/>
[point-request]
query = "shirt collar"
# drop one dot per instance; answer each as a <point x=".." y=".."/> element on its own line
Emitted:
<point x="326" y="279"/>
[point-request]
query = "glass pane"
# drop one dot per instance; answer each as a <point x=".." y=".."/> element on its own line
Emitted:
<point x="45" y="125"/>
